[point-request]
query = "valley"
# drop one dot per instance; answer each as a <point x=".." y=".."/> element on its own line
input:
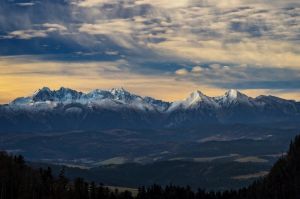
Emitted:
<point x="223" y="156"/>
<point x="122" y="139"/>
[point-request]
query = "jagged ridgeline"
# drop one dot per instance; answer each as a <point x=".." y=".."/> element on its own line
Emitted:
<point x="19" y="181"/>
<point x="66" y="109"/>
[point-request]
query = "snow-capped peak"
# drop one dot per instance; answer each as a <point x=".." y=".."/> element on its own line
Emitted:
<point x="41" y="91"/>
<point x="119" y="97"/>
<point x="44" y="89"/>
<point x="196" y="97"/>
<point x="60" y="95"/>
<point x="43" y="94"/>
<point x="122" y="95"/>
<point x="194" y="100"/>
<point x="98" y="94"/>
<point x="233" y="96"/>
<point x="113" y="98"/>
<point x="118" y="90"/>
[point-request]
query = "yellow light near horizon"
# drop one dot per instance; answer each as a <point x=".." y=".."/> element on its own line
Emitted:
<point x="20" y="78"/>
<point x="12" y="87"/>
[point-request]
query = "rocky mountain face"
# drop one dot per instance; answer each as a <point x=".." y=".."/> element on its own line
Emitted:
<point x="67" y="109"/>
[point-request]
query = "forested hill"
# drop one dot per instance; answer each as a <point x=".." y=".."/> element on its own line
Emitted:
<point x="19" y="181"/>
<point x="283" y="180"/>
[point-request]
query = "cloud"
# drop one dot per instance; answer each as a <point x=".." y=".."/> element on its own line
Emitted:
<point x="245" y="77"/>
<point x="157" y="3"/>
<point x="237" y="35"/>
<point x="33" y="73"/>
<point x="43" y="31"/>
<point x="54" y="27"/>
<point x="253" y="52"/>
<point x="119" y="31"/>
<point x="219" y="44"/>
<point x="215" y="66"/>
<point x="182" y="71"/>
<point x="26" y="4"/>
<point x="31" y="66"/>
<point x="164" y="3"/>
<point x="197" y="69"/>
<point x="107" y="27"/>
<point x="25" y="34"/>
<point x="91" y="3"/>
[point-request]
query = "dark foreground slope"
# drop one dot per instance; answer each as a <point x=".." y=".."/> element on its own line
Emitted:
<point x="20" y="181"/>
<point x="283" y="180"/>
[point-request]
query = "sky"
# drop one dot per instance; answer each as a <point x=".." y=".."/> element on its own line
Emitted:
<point x="160" y="48"/>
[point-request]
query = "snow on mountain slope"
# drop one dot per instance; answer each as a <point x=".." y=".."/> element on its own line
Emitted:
<point x="46" y="98"/>
<point x="283" y="105"/>
<point x="117" y="97"/>
<point x="194" y="101"/>
<point x="67" y="109"/>
<point x="234" y="97"/>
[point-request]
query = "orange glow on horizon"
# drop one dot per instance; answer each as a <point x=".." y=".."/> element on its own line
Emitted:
<point x="19" y="78"/>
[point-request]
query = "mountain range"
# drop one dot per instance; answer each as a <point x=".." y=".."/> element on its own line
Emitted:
<point x="67" y="109"/>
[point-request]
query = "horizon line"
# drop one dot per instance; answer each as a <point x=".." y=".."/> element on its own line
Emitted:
<point x="141" y="95"/>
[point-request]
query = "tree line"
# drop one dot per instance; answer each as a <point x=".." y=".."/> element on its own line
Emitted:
<point x="19" y="181"/>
